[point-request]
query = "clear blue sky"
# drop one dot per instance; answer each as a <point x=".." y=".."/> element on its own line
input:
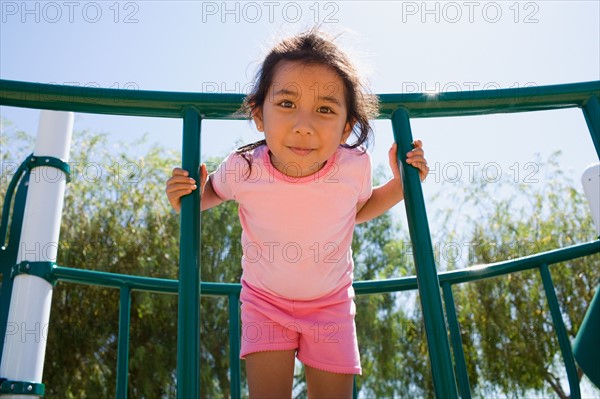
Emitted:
<point x="402" y="46"/>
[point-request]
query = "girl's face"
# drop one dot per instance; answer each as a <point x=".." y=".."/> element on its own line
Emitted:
<point x="303" y="117"/>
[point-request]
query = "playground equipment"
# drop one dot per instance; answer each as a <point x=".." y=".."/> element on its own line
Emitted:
<point x="450" y="380"/>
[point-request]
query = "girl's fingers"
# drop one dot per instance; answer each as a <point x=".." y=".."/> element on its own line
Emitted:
<point x="415" y="153"/>
<point x="173" y="188"/>
<point x="179" y="172"/>
<point x="203" y="175"/>
<point x="180" y="180"/>
<point x="392" y="153"/>
<point x="179" y="185"/>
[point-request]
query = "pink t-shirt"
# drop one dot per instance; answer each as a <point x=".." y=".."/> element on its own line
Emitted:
<point x="297" y="232"/>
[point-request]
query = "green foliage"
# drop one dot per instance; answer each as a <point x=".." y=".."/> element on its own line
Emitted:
<point x="116" y="218"/>
<point x="391" y="338"/>
<point x="509" y="337"/>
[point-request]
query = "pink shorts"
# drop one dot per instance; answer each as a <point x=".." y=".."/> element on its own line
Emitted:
<point x="321" y="330"/>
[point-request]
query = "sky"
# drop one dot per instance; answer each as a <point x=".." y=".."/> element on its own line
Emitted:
<point x="409" y="46"/>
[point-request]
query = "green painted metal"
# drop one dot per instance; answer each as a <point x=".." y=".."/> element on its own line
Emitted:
<point x="26" y="388"/>
<point x="561" y="332"/>
<point x="235" y="379"/>
<point x="21" y="171"/>
<point x="398" y="107"/>
<point x="475" y="273"/>
<point x="123" y="345"/>
<point x="225" y="105"/>
<point x="485" y="102"/>
<point x="586" y="347"/>
<point x="385" y="285"/>
<point x="41" y="269"/>
<point x="117" y="101"/>
<point x="157" y="285"/>
<point x="116" y="280"/>
<point x="591" y="112"/>
<point x="429" y="288"/>
<point x="33" y="161"/>
<point x="188" y="323"/>
<point x="9" y="251"/>
<point x="456" y="341"/>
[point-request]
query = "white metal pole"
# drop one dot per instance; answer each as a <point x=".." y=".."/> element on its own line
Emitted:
<point x="29" y="313"/>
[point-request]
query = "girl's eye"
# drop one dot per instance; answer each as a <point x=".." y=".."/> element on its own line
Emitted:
<point x="286" y="104"/>
<point x="325" y="110"/>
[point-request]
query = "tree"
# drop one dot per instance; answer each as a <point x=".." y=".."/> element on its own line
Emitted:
<point x="509" y="339"/>
<point x="391" y="335"/>
<point x="116" y="218"/>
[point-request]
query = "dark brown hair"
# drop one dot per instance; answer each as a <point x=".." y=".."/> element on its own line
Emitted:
<point x="315" y="47"/>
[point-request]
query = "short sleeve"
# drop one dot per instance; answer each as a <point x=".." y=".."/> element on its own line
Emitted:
<point x="367" y="179"/>
<point x="228" y="176"/>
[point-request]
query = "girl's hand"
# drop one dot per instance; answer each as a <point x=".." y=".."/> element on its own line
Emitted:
<point x="180" y="184"/>
<point x="415" y="157"/>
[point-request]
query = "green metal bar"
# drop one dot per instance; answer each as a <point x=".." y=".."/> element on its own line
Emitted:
<point x="473" y="273"/>
<point x="123" y="346"/>
<point x="19" y="173"/>
<point x="561" y="332"/>
<point x="591" y="112"/>
<point x="235" y="384"/>
<point x="137" y="283"/>
<point x="586" y="346"/>
<point x="188" y="326"/>
<point x="115" y="280"/>
<point x="456" y="341"/>
<point x="361" y="287"/>
<point x="8" y="254"/>
<point x="224" y="105"/>
<point x="117" y="101"/>
<point x="429" y="288"/>
<point x="387" y="285"/>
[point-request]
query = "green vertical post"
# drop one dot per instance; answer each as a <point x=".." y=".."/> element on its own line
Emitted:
<point x="123" y="346"/>
<point x="234" y="347"/>
<point x="188" y="317"/>
<point x="561" y="332"/>
<point x="427" y="278"/>
<point x="591" y="112"/>
<point x="586" y="347"/>
<point x="8" y="254"/>
<point x="456" y="341"/>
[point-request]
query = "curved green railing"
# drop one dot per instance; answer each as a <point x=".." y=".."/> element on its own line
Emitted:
<point x="192" y="108"/>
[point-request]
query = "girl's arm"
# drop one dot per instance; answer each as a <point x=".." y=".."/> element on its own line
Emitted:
<point x="386" y="196"/>
<point x="181" y="184"/>
<point x="383" y="198"/>
<point x="209" y="196"/>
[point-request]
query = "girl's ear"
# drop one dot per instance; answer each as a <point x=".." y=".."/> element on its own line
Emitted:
<point x="347" y="131"/>
<point x="257" y="117"/>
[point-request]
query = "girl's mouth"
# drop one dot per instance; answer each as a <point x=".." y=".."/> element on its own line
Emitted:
<point x="301" y="151"/>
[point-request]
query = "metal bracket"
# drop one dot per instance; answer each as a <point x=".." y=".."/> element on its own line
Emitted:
<point x="40" y="269"/>
<point x="21" y="388"/>
<point x="33" y="161"/>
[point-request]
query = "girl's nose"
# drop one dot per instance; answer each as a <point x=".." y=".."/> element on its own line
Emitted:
<point x="303" y="124"/>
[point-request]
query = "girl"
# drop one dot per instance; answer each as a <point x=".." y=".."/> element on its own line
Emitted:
<point x="300" y="191"/>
